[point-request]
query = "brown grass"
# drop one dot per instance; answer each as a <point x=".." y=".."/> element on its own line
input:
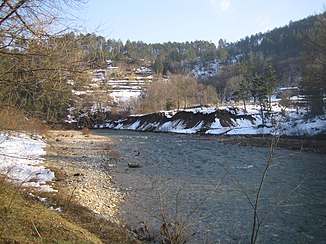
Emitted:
<point x="23" y="219"/>
<point x="85" y="131"/>
<point x="12" y="119"/>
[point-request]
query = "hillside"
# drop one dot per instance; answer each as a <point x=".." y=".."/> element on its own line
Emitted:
<point x="125" y="71"/>
<point x="87" y="73"/>
<point x="279" y="46"/>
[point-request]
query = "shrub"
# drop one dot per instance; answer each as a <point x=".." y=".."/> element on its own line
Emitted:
<point x="13" y="119"/>
<point x="85" y="131"/>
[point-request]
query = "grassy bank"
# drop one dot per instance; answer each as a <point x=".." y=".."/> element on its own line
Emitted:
<point x="24" y="220"/>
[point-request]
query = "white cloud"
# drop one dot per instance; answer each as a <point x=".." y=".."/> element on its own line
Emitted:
<point x="225" y="4"/>
<point x="222" y="4"/>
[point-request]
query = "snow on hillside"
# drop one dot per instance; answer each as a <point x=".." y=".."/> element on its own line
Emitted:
<point x="125" y="94"/>
<point x="21" y="158"/>
<point x="206" y="69"/>
<point x="227" y="121"/>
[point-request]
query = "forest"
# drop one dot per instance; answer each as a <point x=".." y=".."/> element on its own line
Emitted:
<point x="251" y="68"/>
<point x="282" y="47"/>
<point x="39" y="70"/>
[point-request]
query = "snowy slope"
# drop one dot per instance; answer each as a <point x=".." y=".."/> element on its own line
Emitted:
<point x="225" y="120"/>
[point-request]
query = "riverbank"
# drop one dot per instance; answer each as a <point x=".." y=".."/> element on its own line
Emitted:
<point x="307" y="144"/>
<point x="224" y="121"/>
<point x="82" y="164"/>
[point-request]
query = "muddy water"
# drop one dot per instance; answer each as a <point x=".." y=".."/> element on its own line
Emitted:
<point x="207" y="187"/>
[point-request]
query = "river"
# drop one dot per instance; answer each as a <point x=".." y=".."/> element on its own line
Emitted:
<point x="208" y="187"/>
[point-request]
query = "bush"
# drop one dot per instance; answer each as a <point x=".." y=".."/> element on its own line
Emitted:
<point x="13" y="119"/>
<point x="85" y="131"/>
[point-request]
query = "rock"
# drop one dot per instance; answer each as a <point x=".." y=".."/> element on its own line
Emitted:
<point x="134" y="165"/>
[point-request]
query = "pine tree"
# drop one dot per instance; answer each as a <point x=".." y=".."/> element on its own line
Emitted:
<point x="260" y="88"/>
<point x="314" y="82"/>
<point x="244" y="93"/>
<point x="271" y="83"/>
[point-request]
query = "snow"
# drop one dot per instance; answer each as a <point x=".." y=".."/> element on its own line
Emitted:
<point x="134" y="125"/>
<point x="21" y="160"/>
<point x="125" y="95"/>
<point x="179" y="127"/>
<point x="207" y="69"/>
<point x="203" y="110"/>
<point x="280" y="121"/>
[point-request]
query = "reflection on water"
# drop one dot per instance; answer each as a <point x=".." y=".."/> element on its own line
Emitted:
<point x="195" y="180"/>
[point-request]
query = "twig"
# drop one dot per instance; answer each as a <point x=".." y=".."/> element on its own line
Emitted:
<point x="38" y="233"/>
<point x="18" y="157"/>
<point x="256" y="222"/>
<point x="3" y="225"/>
<point x="70" y="197"/>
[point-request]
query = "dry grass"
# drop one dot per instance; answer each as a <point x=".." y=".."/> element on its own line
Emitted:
<point x="23" y="219"/>
<point x="85" y="131"/>
<point x="12" y="119"/>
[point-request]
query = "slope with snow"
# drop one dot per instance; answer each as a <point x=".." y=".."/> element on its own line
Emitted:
<point x="226" y="120"/>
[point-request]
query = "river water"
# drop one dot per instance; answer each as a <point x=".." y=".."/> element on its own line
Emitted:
<point x="208" y="188"/>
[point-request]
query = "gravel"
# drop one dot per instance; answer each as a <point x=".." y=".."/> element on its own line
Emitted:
<point x="86" y="161"/>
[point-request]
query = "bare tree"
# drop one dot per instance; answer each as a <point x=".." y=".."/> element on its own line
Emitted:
<point x="40" y="62"/>
<point x="185" y="88"/>
<point x="156" y="98"/>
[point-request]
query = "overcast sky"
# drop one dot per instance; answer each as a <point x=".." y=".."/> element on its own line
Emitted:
<point x="158" y="21"/>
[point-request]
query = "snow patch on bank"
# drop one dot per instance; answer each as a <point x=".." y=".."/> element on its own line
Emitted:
<point x="21" y="160"/>
<point x="226" y="120"/>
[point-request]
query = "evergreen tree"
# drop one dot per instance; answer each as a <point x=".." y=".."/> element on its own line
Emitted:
<point x="244" y="93"/>
<point x="158" y="66"/>
<point x="271" y="83"/>
<point x="260" y="89"/>
<point x="314" y="82"/>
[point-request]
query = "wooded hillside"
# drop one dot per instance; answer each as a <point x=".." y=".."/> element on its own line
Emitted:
<point x="39" y="70"/>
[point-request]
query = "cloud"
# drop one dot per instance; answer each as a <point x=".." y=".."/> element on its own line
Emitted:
<point x="222" y="4"/>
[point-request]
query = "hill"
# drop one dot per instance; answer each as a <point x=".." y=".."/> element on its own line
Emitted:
<point x="221" y="66"/>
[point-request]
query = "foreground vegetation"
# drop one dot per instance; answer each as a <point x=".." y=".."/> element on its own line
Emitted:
<point x="24" y="219"/>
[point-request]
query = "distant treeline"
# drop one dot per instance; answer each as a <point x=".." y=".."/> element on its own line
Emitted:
<point x="282" y="47"/>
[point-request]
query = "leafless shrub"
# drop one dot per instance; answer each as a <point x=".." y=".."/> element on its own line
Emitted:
<point x="114" y="155"/>
<point x="108" y="146"/>
<point x="177" y="223"/>
<point x="259" y="218"/>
